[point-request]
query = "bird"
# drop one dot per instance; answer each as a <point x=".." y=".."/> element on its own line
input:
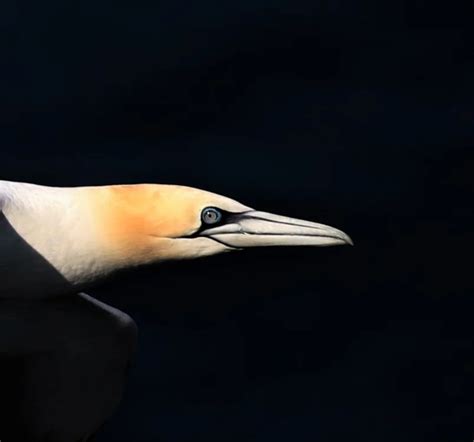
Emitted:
<point x="56" y="242"/>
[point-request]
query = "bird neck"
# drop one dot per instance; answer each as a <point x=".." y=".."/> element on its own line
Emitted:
<point x="48" y="242"/>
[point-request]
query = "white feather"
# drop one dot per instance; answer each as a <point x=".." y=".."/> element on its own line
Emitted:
<point x="48" y="244"/>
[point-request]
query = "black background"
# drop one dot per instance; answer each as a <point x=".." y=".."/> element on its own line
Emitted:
<point x="357" y="114"/>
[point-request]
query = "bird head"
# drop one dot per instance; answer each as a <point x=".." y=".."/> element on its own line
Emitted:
<point x="149" y="223"/>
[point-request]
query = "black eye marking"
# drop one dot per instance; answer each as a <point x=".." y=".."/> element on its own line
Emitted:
<point x="211" y="215"/>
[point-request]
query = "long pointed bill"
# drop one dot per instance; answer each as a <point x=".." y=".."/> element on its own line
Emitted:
<point x="255" y="229"/>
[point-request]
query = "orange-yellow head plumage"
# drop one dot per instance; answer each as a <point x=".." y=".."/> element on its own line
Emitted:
<point x="153" y="222"/>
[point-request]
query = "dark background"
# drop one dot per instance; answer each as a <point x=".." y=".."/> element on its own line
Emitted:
<point x="358" y="114"/>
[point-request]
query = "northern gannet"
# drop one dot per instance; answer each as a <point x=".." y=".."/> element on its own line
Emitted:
<point x="56" y="242"/>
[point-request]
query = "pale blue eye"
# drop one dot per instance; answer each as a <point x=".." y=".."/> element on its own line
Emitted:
<point x="210" y="215"/>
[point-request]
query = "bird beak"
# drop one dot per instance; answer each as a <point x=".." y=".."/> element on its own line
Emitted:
<point x="261" y="229"/>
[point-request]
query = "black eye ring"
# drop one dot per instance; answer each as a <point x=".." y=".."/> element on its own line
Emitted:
<point x="211" y="215"/>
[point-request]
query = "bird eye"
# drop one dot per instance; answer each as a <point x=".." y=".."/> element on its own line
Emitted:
<point x="210" y="215"/>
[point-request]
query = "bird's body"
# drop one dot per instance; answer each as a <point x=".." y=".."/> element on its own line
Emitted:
<point x="54" y="242"/>
<point x="63" y="365"/>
